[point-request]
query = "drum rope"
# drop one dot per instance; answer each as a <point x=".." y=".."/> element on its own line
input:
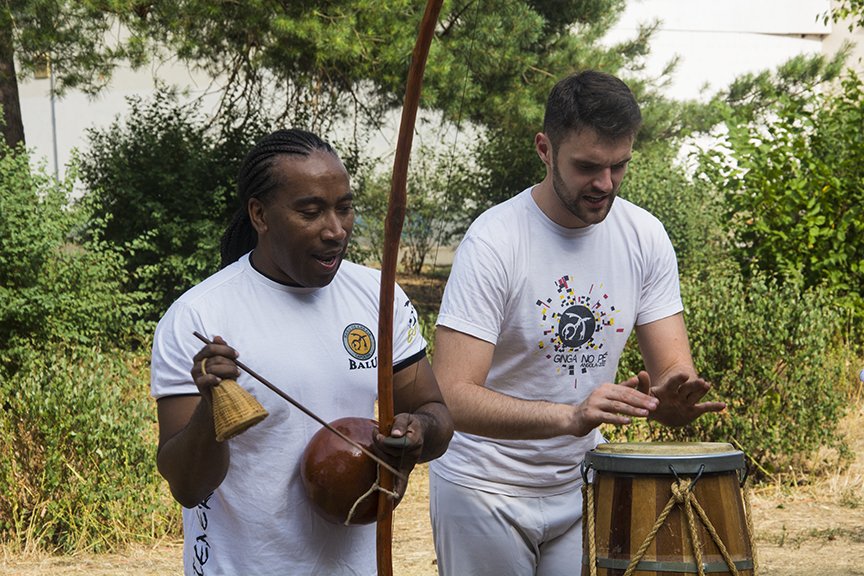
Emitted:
<point x="656" y="528"/>
<point x="588" y="488"/>
<point x="712" y="531"/>
<point x="695" y="543"/>
<point x="375" y="486"/>
<point x="682" y="494"/>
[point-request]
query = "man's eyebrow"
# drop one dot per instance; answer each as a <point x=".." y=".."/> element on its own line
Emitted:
<point x="592" y="163"/>
<point x="304" y="200"/>
<point x="318" y="200"/>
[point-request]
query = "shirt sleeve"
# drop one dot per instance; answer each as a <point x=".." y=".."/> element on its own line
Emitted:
<point x="475" y="296"/>
<point x="174" y="345"/>
<point x="661" y="290"/>
<point x="408" y="339"/>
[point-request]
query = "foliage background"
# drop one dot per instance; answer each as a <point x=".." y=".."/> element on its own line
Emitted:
<point x="76" y="429"/>
<point x="162" y="182"/>
<point x="766" y="220"/>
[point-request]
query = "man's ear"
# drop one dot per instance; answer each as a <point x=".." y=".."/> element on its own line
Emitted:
<point x="543" y="148"/>
<point x="257" y="215"/>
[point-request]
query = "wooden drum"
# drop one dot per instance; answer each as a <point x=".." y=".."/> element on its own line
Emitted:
<point x="665" y="508"/>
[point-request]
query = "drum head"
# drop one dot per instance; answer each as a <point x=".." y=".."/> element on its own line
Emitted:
<point x="665" y="458"/>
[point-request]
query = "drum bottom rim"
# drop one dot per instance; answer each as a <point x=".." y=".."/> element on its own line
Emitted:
<point x="669" y="566"/>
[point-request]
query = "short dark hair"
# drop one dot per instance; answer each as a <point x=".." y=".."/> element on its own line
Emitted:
<point x="591" y="99"/>
<point x="256" y="180"/>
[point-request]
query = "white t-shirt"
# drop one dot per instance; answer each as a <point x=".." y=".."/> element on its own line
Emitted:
<point x="320" y="347"/>
<point x="559" y="304"/>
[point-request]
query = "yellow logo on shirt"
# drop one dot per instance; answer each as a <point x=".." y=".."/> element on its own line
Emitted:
<point x="358" y="341"/>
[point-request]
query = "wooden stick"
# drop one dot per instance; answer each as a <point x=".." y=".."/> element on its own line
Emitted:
<point x="392" y="232"/>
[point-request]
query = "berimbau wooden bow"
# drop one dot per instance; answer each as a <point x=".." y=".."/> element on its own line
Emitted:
<point x="392" y="233"/>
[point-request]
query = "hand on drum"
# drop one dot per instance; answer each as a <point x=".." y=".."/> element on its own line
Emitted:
<point x="680" y="397"/>
<point x="614" y="404"/>
<point x="403" y="448"/>
<point x="212" y="364"/>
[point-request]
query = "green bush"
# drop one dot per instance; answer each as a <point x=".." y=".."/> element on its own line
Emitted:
<point x="690" y="211"/>
<point x="794" y="190"/>
<point x="77" y="464"/>
<point x="771" y="350"/>
<point x="53" y="287"/>
<point x="163" y="180"/>
<point x="77" y="437"/>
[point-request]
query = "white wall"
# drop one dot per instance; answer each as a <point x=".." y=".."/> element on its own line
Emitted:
<point x="76" y="112"/>
<point x="716" y="41"/>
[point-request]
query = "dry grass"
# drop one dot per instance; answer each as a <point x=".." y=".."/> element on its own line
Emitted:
<point x="808" y="529"/>
<point x="413" y="552"/>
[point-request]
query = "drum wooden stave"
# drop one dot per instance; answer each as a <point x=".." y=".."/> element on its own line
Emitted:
<point x="633" y="484"/>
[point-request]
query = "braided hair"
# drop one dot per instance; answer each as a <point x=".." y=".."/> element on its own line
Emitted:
<point x="256" y="179"/>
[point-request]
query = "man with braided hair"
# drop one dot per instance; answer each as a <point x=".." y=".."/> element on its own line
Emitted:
<point x="545" y="289"/>
<point x="285" y="298"/>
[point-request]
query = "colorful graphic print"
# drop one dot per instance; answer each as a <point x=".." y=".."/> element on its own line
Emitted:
<point x="574" y="327"/>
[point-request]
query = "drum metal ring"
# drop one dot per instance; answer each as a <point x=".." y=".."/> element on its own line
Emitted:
<point x="719" y="459"/>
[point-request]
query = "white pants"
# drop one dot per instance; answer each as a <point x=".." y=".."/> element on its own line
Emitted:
<point x="483" y="534"/>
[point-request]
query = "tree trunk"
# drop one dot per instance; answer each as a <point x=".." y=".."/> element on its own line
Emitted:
<point x="10" y="103"/>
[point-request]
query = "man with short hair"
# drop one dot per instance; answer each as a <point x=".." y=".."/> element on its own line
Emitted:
<point x="544" y="291"/>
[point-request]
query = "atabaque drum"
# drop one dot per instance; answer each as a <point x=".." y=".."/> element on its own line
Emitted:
<point x="659" y="508"/>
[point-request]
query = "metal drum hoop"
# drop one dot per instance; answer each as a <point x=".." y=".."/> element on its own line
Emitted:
<point x="664" y="458"/>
